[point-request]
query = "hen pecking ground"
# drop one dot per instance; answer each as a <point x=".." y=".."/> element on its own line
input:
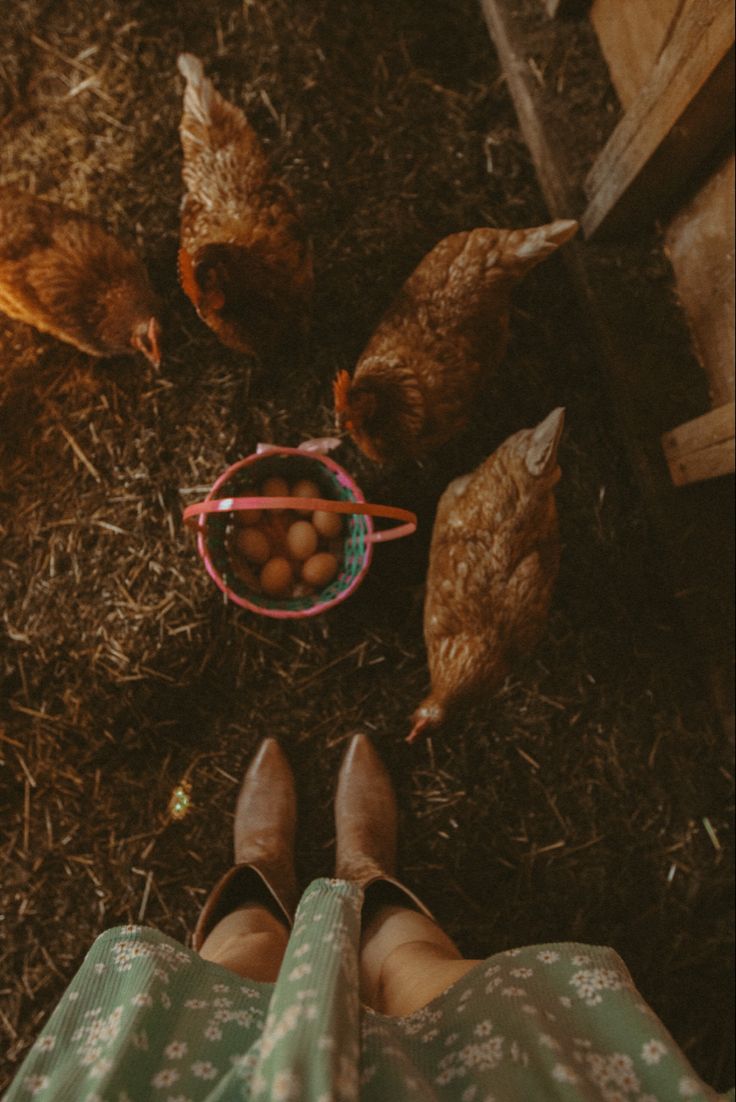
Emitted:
<point x="590" y="801"/>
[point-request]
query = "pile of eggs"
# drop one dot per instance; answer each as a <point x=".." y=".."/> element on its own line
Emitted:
<point x="286" y="552"/>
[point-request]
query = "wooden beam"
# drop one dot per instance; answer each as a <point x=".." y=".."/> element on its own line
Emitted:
<point x="678" y="118"/>
<point x="702" y="448"/>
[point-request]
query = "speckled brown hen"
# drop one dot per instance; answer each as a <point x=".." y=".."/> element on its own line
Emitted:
<point x="245" y="261"/>
<point x="493" y="563"/>
<point x="415" y="384"/>
<point x="65" y="275"/>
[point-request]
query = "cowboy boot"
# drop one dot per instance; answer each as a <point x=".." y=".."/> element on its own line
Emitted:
<point x="265" y="821"/>
<point x="366" y="821"/>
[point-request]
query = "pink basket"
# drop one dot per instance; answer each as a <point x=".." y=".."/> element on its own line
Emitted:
<point x="236" y="489"/>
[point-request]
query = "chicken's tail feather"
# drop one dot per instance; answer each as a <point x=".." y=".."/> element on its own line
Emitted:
<point x="199" y="92"/>
<point x="525" y="248"/>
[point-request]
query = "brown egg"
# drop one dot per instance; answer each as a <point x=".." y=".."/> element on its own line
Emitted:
<point x="244" y="518"/>
<point x="275" y="487"/>
<point x="327" y="524"/>
<point x="305" y="488"/>
<point x="276" y="526"/>
<point x="301" y="540"/>
<point x="276" y="577"/>
<point x="320" y="569"/>
<point x="245" y="573"/>
<point x="252" y="544"/>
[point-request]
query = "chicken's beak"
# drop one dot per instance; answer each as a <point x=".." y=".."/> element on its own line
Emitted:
<point x="148" y="341"/>
<point x="541" y="454"/>
<point x="154" y="342"/>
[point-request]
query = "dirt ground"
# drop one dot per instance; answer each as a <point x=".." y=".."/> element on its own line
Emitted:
<point x="591" y="800"/>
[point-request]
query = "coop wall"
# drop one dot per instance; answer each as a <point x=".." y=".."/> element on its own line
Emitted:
<point x="700" y="237"/>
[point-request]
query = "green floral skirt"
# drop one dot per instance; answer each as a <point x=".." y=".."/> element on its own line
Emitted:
<point x="145" y="1018"/>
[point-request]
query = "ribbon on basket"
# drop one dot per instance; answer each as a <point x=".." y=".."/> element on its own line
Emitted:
<point x="193" y="513"/>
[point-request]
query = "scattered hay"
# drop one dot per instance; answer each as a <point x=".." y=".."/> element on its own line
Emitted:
<point x="588" y="801"/>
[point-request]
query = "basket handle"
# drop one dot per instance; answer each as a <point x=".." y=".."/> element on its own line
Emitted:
<point x="193" y="513"/>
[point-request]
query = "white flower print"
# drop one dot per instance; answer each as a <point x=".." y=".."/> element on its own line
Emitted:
<point x="513" y="992"/>
<point x="72" y="996"/>
<point x="548" y="956"/>
<point x="175" y="1050"/>
<point x="451" y="1038"/>
<point x="36" y="1083"/>
<point x="522" y="973"/>
<point x="479" y="1056"/>
<point x="141" y="998"/>
<point x="165" y="1001"/>
<point x="213" y="1032"/>
<point x="140" y="1040"/>
<point x="300" y="971"/>
<point x="469" y="1094"/>
<point x="589" y="982"/>
<point x="512" y="952"/>
<point x="302" y="949"/>
<point x="286" y="1087"/>
<point x="528" y="1008"/>
<point x="687" y="1087"/>
<point x="565" y="1000"/>
<point x="652" y="1051"/>
<point x="165" y="1078"/>
<point x="100" y="1068"/>
<point x="484" y="1029"/>
<point x="222" y="1002"/>
<point x="46" y="1044"/>
<point x="580" y="958"/>
<point x="564" y="1074"/>
<point x="219" y="987"/>
<point x="547" y="1041"/>
<point x="196" y="1004"/>
<point x="99" y="967"/>
<point x="203" y="1069"/>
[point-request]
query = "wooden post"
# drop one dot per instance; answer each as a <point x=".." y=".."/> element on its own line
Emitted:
<point x="702" y="448"/>
<point x="681" y="113"/>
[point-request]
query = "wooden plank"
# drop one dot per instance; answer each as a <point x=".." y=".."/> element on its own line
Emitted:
<point x="677" y="119"/>
<point x="715" y="427"/>
<point x="561" y="200"/>
<point x="705" y="463"/>
<point x="702" y="448"/>
<point x="632" y="34"/>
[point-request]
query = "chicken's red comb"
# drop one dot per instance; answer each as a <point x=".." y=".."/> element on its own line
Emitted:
<point x="340" y="390"/>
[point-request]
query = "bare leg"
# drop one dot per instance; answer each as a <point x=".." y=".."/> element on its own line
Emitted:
<point x="249" y="941"/>
<point x="406" y="961"/>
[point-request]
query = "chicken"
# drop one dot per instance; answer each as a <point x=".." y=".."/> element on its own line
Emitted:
<point x="415" y="384"/>
<point x="245" y="261"/>
<point x="65" y="275"/>
<point x="493" y="563"/>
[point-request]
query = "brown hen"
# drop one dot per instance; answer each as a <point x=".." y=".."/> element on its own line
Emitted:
<point x="415" y="384"/>
<point x="245" y="261"/>
<point x="493" y="563"/>
<point x="65" y="275"/>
